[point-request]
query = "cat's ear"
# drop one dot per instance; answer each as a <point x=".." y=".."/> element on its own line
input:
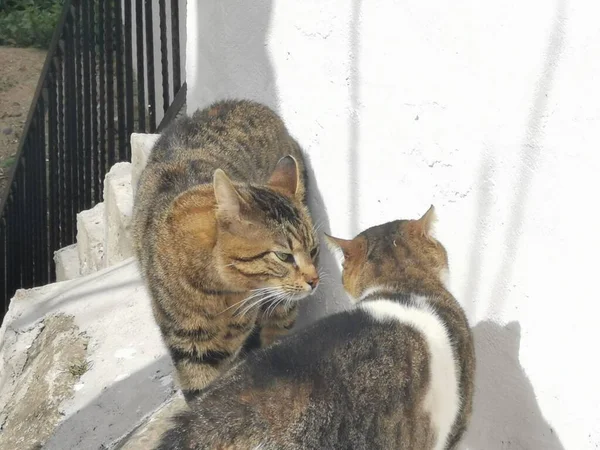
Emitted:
<point x="228" y="200"/>
<point x="286" y="176"/>
<point x="425" y="224"/>
<point x="349" y="248"/>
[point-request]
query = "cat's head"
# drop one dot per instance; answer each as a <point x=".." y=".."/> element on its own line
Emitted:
<point x="398" y="254"/>
<point x="265" y="236"/>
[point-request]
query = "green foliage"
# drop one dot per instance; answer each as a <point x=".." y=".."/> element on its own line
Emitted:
<point x="7" y="162"/>
<point x="28" y="23"/>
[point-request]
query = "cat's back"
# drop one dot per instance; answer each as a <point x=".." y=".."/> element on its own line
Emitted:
<point x="359" y="379"/>
<point x="441" y="402"/>
<point x="395" y="370"/>
<point x="242" y="137"/>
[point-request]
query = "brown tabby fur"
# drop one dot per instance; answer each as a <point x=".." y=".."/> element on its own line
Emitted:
<point x="205" y="241"/>
<point x="349" y="381"/>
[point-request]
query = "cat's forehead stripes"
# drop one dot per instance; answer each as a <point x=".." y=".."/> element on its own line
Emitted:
<point x="275" y="207"/>
<point x="286" y="215"/>
<point x="302" y="236"/>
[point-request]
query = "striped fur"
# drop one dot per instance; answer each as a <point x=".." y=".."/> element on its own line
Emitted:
<point x="396" y="372"/>
<point x="222" y="195"/>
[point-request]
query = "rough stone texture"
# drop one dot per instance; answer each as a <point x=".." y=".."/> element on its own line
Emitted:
<point x="54" y="362"/>
<point x="128" y="389"/>
<point x="141" y="146"/>
<point x="103" y="232"/>
<point x="67" y="263"/>
<point x="118" y="202"/>
<point x="90" y="239"/>
<point x="130" y="372"/>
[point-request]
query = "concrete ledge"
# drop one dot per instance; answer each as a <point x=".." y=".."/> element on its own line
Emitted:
<point x="67" y="263"/>
<point x="127" y="377"/>
<point x="33" y="392"/>
<point x="90" y="239"/>
<point x="118" y="205"/>
<point x="141" y="146"/>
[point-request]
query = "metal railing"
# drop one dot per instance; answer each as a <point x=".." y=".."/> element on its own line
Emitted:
<point x="98" y="85"/>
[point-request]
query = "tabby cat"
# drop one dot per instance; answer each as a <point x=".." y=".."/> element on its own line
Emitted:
<point x="223" y="236"/>
<point x="395" y="372"/>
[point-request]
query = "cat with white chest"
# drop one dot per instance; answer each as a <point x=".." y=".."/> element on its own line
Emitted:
<point x="395" y="372"/>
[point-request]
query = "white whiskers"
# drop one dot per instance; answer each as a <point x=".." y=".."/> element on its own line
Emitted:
<point x="254" y="294"/>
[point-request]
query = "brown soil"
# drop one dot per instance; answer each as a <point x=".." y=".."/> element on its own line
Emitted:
<point x="20" y="70"/>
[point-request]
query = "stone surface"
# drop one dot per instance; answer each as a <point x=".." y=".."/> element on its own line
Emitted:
<point x="90" y="239"/>
<point x="103" y="232"/>
<point x="67" y="263"/>
<point x="129" y="375"/>
<point x="118" y="203"/>
<point x="35" y="390"/>
<point x="141" y="146"/>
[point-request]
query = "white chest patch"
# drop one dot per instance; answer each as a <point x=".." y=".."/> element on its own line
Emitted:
<point x="442" y="400"/>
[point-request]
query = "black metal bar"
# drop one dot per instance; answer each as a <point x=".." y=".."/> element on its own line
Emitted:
<point x="13" y="199"/>
<point x="53" y="44"/>
<point x="38" y="229"/>
<point x="28" y="174"/>
<point x="175" y="45"/>
<point x="102" y="94"/>
<point x="174" y="109"/>
<point x="87" y="105"/>
<point x="150" y="67"/>
<point x="44" y="189"/>
<point x="72" y="186"/>
<point x="41" y="205"/>
<point x="39" y="226"/>
<point x="44" y="175"/>
<point x="33" y="181"/>
<point x="164" y="53"/>
<point x="68" y="142"/>
<point x="139" y="42"/>
<point x="31" y="177"/>
<point x="3" y="266"/>
<point x="62" y="168"/>
<point x="53" y="173"/>
<point x="78" y="153"/>
<point x="22" y="211"/>
<point x="110" y="81"/>
<point x="129" y="90"/>
<point x="25" y="209"/>
<point x="122" y="147"/>
<point x="12" y="254"/>
<point x="96" y="182"/>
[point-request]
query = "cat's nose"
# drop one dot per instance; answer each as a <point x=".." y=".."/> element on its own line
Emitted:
<point x="313" y="282"/>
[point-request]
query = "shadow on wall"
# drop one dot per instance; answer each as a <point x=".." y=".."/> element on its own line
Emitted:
<point x="506" y="414"/>
<point x="330" y="297"/>
<point x="354" y="125"/>
<point x="234" y="62"/>
<point x="531" y="155"/>
<point x="233" y="58"/>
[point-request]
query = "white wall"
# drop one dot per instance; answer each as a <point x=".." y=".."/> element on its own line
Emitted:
<point x="489" y="110"/>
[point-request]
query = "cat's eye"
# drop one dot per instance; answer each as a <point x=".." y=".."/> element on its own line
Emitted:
<point x="314" y="252"/>
<point x="285" y="257"/>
